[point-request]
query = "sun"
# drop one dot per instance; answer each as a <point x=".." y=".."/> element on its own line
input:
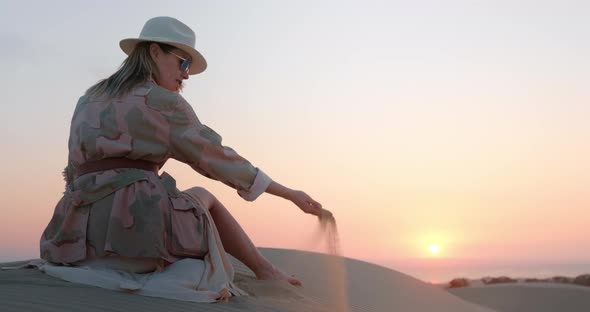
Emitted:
<point x="434" y="249"/>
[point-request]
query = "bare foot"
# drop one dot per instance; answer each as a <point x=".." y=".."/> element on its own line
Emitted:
<point x="277" y="274"/>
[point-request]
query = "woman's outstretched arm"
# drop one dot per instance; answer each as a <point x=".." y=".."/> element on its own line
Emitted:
<point x="299" y="198"/>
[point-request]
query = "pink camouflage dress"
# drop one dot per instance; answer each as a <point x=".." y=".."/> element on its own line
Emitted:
<point x="132" y="212"/>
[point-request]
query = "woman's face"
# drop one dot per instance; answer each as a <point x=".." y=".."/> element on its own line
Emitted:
<point x="169" y="74"/>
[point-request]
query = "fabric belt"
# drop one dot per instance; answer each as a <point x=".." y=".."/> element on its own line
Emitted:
<point x="114" y="163"/>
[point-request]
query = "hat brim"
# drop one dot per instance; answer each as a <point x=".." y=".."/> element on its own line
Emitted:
<point x="198" y="63"/>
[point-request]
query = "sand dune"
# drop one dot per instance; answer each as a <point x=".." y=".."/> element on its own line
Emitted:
<point x="331" y="284"/>
<point x="537" y="297"/>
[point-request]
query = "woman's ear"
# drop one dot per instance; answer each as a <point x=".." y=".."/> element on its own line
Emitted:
<point x="155" y="51"/>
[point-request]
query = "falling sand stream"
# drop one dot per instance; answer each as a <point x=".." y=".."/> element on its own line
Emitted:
<point x="336" y="268"/>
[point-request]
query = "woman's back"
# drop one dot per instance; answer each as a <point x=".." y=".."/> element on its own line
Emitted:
<point x="123" y="211"/>
<point x="122" y="127"/>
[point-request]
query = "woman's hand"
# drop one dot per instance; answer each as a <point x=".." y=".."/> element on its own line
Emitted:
<point x="299" y="198"/>
<point x="306" y="203"/>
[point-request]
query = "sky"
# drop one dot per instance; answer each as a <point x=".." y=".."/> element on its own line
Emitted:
<point x="461" y="124"/>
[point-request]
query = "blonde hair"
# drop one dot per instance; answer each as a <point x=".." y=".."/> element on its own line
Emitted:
<point x="137" y="68"/>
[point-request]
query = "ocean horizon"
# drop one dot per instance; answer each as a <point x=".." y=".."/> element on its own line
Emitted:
<point x="444" y="270"/>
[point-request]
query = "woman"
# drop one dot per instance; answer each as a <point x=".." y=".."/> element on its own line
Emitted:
<point x="116" y="210"/>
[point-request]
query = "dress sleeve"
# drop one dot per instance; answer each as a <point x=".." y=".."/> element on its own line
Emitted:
<point x="199" y="146"/>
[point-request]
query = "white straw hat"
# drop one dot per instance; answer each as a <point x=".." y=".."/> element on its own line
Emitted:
<point x="170" y="31"/>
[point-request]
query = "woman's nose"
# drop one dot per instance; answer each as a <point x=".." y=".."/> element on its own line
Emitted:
<point x="185" y="75"/>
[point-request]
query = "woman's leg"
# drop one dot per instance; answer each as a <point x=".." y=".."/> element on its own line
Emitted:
<point x="237" y="243"/>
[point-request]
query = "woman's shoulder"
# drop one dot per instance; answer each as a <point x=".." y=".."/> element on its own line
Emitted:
<point x="160" y="98"/>
<point x="148" y="89"/>
<point x="154" y="96"/>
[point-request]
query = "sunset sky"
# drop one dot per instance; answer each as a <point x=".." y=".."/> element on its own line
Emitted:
<point x="457" y="123"/>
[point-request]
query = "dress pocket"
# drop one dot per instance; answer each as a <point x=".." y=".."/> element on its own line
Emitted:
<point x="188" y="223"/>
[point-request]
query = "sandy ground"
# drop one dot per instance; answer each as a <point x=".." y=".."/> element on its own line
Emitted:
<point x="330" y="284"/>
<point x="528" y="297"/>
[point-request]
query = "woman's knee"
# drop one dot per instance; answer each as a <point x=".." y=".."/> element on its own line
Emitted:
<point x="206" y="197"/>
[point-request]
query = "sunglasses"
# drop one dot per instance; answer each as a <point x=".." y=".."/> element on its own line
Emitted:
<point x="185" y="64"/>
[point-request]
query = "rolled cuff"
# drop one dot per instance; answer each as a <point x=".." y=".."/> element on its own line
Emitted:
<point x="261" y="183"/>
